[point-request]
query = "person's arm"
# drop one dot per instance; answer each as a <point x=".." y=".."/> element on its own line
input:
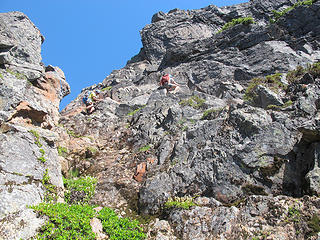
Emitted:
<point x="173" y="82"/>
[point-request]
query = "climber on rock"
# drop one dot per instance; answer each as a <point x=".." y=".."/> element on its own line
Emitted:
<point x="90" y="99"/>
<point x="168" y="83"/>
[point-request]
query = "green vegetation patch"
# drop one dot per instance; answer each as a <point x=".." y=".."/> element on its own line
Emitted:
<point x="294" y="214"/>
<point x="296" y="74"/>
<point x="74" y="173"/>
<point x="62" y="151"/>
<point x="182" y="125"/>
<point x="236" y="21"/>
<point x="37" y="136"/>
<point x="1" y="76"/>
<point x="73" y="134"/>
<point x="273" y="82"/>
<point x="66" y="221"/>
<point x="120" y="228"/>
<point x="145" y="148"/>
<point x="180" y="202"/>
<point x="51" y="190"/>
<point x="16" y="74"/>
<point x="314" y="225"/>
<point x="195" y="102"/>
<point x="279" y="14"/>
<point x="135" y="111"/>
<point x="211" y="113"/>
<point x="73" y="222"/>
<point x="314" y="69"/>
<point x="108" y="88"/>
<point x="79" y="190"/>
<point x="277" y="108"/>
<point x="42" y="158"/>
<point x="93" y="150"/>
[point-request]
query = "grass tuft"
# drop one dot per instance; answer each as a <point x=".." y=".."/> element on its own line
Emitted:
<point x="236" y="21"/>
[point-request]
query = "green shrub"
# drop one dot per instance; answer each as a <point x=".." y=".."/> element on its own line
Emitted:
<point x="273" y="82"/>
<point x="314" y="225"/>
<point x="79" y="190"/>
<point x="108" y="88"/>
<point x="314" y="70"/>
<point x="294" y="214"/>
<point x="66" y="221"/>
<point x="145" y="148"/>
<point x="134" y="112"/>
<point x="16" y="74"/>
<point x="46" y="178"/>
<point x="120" y="228"/>
<point x="250" y="94"/>
<point x="73" y="134"/>
<point x="73" y="222"/>
<point x="276" y="107"/>
<point x="51" y="190"/>
<point x="279" y="14"/>
<point x="74" y="173"/>
<point x="180" y="202"/>
<point x="236" y="21"/>
<point x="1" y="76"/>
<point x="37" y="136"/>
<point x="42" y="158"/>
<point x="294" y="75"/>
<point x="62" y="151"/>
<point x="211" y="113"/>
<point x="195" y="102"/>
<point x="92" y="150"/>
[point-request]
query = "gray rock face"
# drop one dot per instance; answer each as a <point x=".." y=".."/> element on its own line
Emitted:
<point x="29" y="105"/>
<point x="20" y="44"/>
<point x="207" y="139"/>
<point x="258" y="216"/>
<point x="21" y="180"/>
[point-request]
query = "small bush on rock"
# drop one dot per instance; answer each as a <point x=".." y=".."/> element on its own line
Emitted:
<point x="62" y="151"/>
<point x="79" y="190"/>
<point x="314" y="225"/>
<point x="37" y="136"/>
<point x="295" y="75"/>
<point x="120" y="228"/>
<point x="195" y="102"/>
<point x="145" y="148"/>
<point x="180" y="202"/>
<point x="273" y="82"/>
<point x="233" y="22"/>
<point x="65" y="221"/>
<point x="279" y="14"/>
<point x="211" y="113"/>
<point x="314" y="70"/>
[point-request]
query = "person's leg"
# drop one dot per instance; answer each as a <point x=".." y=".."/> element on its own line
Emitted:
<point x="91" y="109"/>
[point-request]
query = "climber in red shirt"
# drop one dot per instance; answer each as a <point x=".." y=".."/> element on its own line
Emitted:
<point x="168" y="83"/>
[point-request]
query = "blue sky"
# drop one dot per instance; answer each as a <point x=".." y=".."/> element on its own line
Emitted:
<point x="89" y="39"/>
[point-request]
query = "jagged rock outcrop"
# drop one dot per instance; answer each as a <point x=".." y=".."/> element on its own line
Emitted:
<point x="30" y="95"/>
<point x="209" y="139"/>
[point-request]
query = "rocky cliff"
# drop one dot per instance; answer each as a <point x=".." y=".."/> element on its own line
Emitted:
<point x="233" y="154"/>
<point x="30" y="95"/>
